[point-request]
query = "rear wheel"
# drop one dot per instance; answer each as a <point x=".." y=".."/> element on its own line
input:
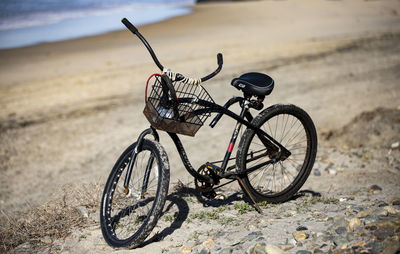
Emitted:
<point x="127" y="218"/>
<point x="277" y="182"/>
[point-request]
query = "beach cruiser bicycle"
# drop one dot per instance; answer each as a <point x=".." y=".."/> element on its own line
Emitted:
<point x="274" y="157"/>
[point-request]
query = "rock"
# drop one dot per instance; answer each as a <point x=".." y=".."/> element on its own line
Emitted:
<point x="252" y="236"/>
<point x="317" y="172"/>
<point x="301" y="228"/>
<point x="394" y="201"/>
<point x="185" y="250"/>
<point x="370" y="219"/>
<point x="381" y="212"/>
<point x="83" y="211"/>
<point x="272" y="249"/>
<point x="252" y="227"/>
<point x="365" y="213"/>
<point x="342" y="200"/>
<point x="332" y="171"/>
<point x="226" y="251"/>
<point x="340" y="230"/>
<point x="392" y="210"/>
<point x="222" y="233"/>
<point x="382" y="203"/>
<point x="259" y="250"/>
<point x="208" y="243"/>
<point x="340" y="241"/>
<point x="286" y="247"/>
<point x="354" y="223"/>
<point x="204" y="251"/>
<point x="375" y="189"/>
<point x="303" y="252"/>
<point x="392" y="247"/>
<point x="292" y="242"/>
<point x="317" y="251"/>
<point x="350" y="236"/>
<point x="299" y="235"/>
<point x="395" y="145"/>
<point x="339" y="221"/>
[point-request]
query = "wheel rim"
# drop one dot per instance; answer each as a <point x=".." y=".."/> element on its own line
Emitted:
<point x="277" y="178"/>
<point x="127" y="214"/>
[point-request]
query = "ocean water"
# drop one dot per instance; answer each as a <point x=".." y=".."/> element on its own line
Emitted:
<point x="28" y="22"/>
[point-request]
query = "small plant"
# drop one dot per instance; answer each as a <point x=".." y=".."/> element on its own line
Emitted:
<point x="243" y="207"/>
<point x="194" y="236"/>
<point x="226" y="221"/>
<point x="206" y="215"/>
<point x="169" y="218"/>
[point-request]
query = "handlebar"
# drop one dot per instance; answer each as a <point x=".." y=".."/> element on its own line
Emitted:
<point x="135" y="31"/>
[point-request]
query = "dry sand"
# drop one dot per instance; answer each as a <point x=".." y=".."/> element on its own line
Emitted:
<point x="68" y="109"/>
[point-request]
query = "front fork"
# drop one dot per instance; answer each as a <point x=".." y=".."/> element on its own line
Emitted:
<point x="138" y="148"/>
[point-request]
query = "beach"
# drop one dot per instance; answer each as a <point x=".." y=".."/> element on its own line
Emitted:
<point x="68" y="109"/>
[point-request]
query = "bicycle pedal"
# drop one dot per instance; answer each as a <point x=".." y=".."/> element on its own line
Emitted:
<point x="213" y="169"/>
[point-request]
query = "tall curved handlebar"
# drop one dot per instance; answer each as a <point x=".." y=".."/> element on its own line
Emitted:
<point x="135" y="31"/>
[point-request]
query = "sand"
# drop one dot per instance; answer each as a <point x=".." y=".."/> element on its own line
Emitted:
<point x="68" y="109"/>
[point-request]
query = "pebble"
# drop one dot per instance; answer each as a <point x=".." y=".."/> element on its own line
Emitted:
<point x="258" y="248"/>
<point x="286" y="247"/>
<point x="317" y="172"/>
<point x="382" y="203"/>
<point x="292" y="242"/>
<point x="381" y="212"/>
<point x="375" y="189"/>
<point x="204" y="251"/>
<point x="83" y="211"/>
<point x="392" y="210"/>
<point x="185" y="250"/>
<point x="332" y="171"/>
<point x="208" y="243"/>
<point x="354" y="223"/>
<point x="365" y="213"/>
<point x="395" y="145"/>
<point x="303" y="252"/>
<point x="299" y="235"/>
<point x="340" y="230"/>
<point x="301" y="228"/>
<point x="370" y="219"/>
<point x="226" y="251"/>
<point x="339" y="221"/>
<point x="394" y="201"/>
<point x="272" y="249"/>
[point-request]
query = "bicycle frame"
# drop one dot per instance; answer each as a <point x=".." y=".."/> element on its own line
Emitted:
<point x="244" y="118"/>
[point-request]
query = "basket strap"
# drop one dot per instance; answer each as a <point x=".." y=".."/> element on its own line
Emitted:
<point x="185" y="80"/>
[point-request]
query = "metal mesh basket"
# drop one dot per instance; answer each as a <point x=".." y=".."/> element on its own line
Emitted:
<point x="165" y="117"/>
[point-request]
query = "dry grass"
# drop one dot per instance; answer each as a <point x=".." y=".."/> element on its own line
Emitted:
<point x="54" y="219"/>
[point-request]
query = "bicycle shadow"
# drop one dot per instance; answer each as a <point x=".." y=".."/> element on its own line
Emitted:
<point x="177" y="198"/>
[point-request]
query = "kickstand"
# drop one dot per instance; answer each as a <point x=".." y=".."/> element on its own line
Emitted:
<point x="249" y="195"/>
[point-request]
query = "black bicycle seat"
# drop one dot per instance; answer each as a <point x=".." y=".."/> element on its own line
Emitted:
<point x="254" y="83"/>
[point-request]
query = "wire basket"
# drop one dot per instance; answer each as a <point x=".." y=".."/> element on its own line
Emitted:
<point x="174" y="118"/>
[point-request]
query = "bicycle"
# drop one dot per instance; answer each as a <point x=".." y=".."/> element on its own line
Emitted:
<point x="265" y="168"/>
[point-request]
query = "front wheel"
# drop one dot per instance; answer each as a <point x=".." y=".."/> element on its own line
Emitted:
<point x="277" y="182"/>
<point x="127" y="216"/>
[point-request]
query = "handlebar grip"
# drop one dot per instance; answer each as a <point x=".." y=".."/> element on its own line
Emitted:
<point x="129" y="25"/>
<point x="220" y="60"/>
